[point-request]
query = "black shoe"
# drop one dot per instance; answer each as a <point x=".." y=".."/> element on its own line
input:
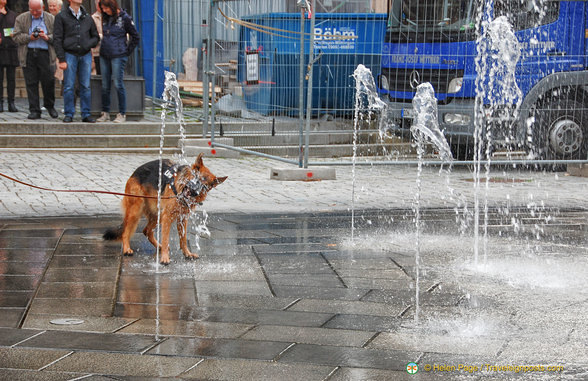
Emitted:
<point x="12" y="107"/>
<point x="2" y="105"/>
<point x="67" y="119"/>
<point x="52" y="112"/>
<point x="34" y="115"/>
<point x="89" y="119"/>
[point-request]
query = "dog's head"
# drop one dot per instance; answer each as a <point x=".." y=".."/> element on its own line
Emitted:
<point x="199" y="181"/>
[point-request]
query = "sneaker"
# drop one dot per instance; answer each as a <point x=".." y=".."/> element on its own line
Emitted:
<point x="120" y="118"/>
<point x="105" y="117"/>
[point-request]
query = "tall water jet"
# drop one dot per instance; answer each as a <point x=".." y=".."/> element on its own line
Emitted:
<point x="425" y="129"/>
<point x="366" y="99"/>
<point x="497" y="103"/>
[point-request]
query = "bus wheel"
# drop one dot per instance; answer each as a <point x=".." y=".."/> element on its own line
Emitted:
<point x="560" y="130"/>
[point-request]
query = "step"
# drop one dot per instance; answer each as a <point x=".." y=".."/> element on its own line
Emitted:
<point x="89" y="141"/>
<point x="105" y="150"/>
<point x="339" y="150"/>
<point x="79" y="128"/>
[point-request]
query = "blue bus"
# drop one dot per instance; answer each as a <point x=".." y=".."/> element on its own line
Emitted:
<point x="437" y="41"/>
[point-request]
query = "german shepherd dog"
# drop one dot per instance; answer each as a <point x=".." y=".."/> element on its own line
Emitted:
<point x="182" y="188"/>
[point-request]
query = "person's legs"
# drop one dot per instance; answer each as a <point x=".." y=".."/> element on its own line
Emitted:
<point x="32" y="82"/>
<point x="84" y="73"/>
<point x="1" y="87"/>
<point x="106" y="70"/>
<point x="47" y="78"/>
<point x="10" y="83"/>
<point x="69" y="81"/>
<point x="118" y="69"/>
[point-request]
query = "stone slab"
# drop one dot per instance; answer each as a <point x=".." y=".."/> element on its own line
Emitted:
<point x="238" y="370"/>
<point x="303" y="174"/>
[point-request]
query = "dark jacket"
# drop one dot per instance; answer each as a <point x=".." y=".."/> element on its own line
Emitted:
<point x="114" y="36"/>
<point x="8" y="55"/>
<point x="74" y="36"/>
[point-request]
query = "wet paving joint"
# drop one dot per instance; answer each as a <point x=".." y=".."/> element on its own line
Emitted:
<point x="281" y="295"/>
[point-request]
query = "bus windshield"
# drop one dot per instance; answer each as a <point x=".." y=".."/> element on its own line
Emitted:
<point x="431" y="16"/>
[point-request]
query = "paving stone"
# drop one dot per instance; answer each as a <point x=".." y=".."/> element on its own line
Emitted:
<point x="244" y="301"/>
<point x="181" y="296"/>
<point x="90" y="323"/>
<point x="364" y="322"/>
<point x="89" y="341"/>
<point x="75" y="307"/>
<point x="34" y="359"/>
<point x="27" y="242"/>
<point x="224" y="348"/>
<point x="348" y="357"/>
<point x="228" y="268"/>
<point x="11" y="317"/>
<point x="124" y="364"/>
<point x="329" y="293"/>
<point x="31" y="375"/>
<point x="428" y="342"/>
<point x="307" y="335"/>
<point x="15" y="298"/>
<point x="259" y="287"/>
<point x="407" y="297"/>
<point x="187" y="328"/>
<point x="19" y="255"/>
<point x="81" y="275"/>
<point x="352" y="374"/>
<point x="11" y="336"/>
<point x="347" y="307"/>
<point x="23" y="268"/>
<point x="76" y="290"/>
<point x="19" y="282"/>
<point x="85" y="261"/>
<point x="302" y="319"/>
<point x="82" y="247"/>
<point x="237" y="370"/>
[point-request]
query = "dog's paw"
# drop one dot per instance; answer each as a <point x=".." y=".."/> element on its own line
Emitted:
<point x="189" y="256"/>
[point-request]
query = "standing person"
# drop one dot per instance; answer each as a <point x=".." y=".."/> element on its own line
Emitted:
<point x="75" y="36"/>
<point x="54" y="9"/>
<point x="54" y="6"/>
<point x="97" y="16"/>
<point x="8" y="56"/>
<point x="33" y="32"/>
<point x="115" y="49"/>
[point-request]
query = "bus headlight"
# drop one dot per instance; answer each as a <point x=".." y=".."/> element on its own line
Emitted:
<point x="455" y="85"/>
<point x="459" y="119"/>
<point x="384" y="84"/>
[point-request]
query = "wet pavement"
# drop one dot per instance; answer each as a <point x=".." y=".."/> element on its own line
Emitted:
<point x="291" y="296"/>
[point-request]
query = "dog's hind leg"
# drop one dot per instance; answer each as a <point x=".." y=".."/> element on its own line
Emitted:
<point x="182" y="226"/>
<point x="133" y="209"/>
<point x="149" y="230"/>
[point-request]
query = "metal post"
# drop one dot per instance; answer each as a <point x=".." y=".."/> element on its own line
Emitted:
<point x="309" y="84"/>
<point x="301" y="89"/>
<point x="212" y="67"/>
<point x="154" y="82"/>
<point x="205" y="78"/>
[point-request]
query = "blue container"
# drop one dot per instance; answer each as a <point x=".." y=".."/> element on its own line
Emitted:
<point x="276" y="90"/>
<point x="145" y="27"/>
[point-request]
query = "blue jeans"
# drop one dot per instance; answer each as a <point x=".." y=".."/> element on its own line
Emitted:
<point x="80" y="67"/>
<point x="113" y="69"/>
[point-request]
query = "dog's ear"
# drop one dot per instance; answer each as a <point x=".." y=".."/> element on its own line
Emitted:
<point x="198" y="163"/>
<point x="218" y="180"/>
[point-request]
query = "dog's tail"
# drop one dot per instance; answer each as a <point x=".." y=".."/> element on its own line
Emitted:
<point x="113" y="234"/>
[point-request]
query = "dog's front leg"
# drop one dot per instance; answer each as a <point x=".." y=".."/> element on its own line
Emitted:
<point x="165" y="229"/>
<point x="182" y="226"/>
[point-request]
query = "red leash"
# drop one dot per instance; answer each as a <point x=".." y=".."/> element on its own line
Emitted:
<point x="79" y="190"/>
